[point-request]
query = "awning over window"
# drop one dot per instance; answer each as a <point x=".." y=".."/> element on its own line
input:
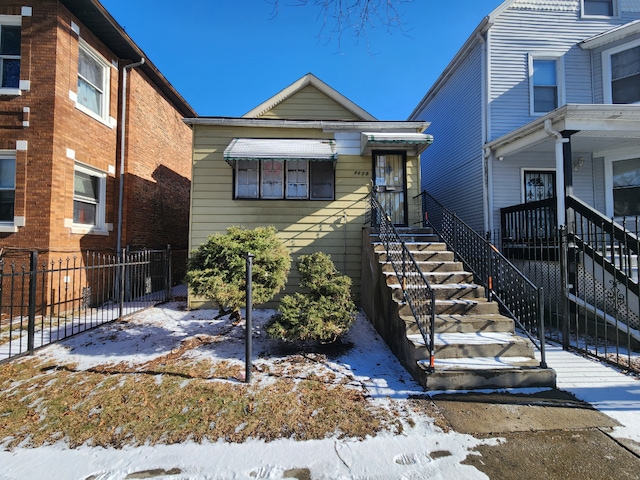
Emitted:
<point x="414" y="143"/>
<point x="280" y="149"/>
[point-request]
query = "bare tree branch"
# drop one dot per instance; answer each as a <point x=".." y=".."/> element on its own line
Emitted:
<point x="354" y="16"/>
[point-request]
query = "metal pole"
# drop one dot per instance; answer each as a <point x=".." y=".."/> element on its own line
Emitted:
<point x="31" y="327"/>
<point x="249" y="314"/>
<point x="541" y="334"/>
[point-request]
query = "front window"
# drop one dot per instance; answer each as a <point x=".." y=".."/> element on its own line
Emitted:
<point x="626" y="187"/>
<point x="625" y="76"/>
<point x="278" y="179"/>
<point x="93" y="83"/>
<point x="88" y="197"/>
<point x="539" y="185"/>
<point x="10" y="56"/>
<point x="7" y="187"/>
<point x="600" y="8"/>
<point x="545" y="85"/>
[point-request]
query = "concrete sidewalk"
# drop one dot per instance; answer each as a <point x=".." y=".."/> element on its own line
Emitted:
<point x="588" y="428"/>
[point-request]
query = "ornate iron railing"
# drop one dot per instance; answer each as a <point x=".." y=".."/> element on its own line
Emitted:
<point x="416" y="290"/>
<point x="520" y="298"/>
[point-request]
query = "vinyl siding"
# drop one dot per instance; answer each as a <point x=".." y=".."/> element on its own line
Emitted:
<point x="596" y="59"/>
<point x="309" y="104"/>
<point x="452" y="166"/>
<point x="334" y="227"/>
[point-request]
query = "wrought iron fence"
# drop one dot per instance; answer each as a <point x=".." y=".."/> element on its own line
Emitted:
<point x="518" y="296"/>
<point x="416" y="290"/>
<point x="43" y="302"/>
<point x="590" y="269"/>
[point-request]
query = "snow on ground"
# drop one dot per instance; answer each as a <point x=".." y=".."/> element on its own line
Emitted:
<point x="421" y="451"/>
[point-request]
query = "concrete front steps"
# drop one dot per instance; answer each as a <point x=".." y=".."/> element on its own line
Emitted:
<point x="475" y="346"/>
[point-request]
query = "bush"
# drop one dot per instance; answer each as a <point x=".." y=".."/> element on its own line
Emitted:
<point x="323" y="314"/>
<point x="217" y="269"/>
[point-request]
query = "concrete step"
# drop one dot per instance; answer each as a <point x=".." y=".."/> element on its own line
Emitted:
<point x="444" y="291"/>
<point x="453" y="307"/>
<point x="379" y="247"/>
<point x="479" y="344"/>
<point x="464" y="324"/>
<point x="488" y="375"/>
<point x="425" y="256"/>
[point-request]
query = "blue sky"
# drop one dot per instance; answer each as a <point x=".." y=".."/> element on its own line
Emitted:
<point x="227" y="56"/>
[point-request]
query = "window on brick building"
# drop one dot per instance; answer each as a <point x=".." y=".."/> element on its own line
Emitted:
<point x="93" y="83"/>
<point x="89" y="193"/>
<point x="7" y="186"/>
<point x="9" y="54"/>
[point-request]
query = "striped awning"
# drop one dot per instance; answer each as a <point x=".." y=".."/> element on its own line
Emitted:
<point x="280" y="149"/>
<point x="415" y="142"/>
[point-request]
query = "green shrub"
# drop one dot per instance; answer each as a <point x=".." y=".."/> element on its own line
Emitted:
<point x="217" y="269"/>
<point x="323" y="314"/>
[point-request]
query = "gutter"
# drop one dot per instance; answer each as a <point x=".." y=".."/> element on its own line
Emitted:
<point x="123" y="128"/>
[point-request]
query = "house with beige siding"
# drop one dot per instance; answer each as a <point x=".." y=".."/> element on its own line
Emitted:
<point x="304" y="161"/>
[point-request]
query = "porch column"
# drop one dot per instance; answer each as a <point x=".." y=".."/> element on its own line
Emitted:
<point x="567" y="169"/>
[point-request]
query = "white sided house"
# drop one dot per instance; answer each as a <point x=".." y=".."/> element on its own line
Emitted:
<point x="304" y="161"/>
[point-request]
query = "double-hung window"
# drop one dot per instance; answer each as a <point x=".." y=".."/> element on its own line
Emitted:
<point x="290" y="179"/>
<point x="539" y="185"/>
<point x="621" y="70"/>
<point x="598" y="8"/>
<point x="10" y="35"/>
<point x="7" y="187"/>
<point x="93" y="83"/>
<point x="626" y="187"/>
<point x="545" y="88"/>
<point x="89" y="194"/>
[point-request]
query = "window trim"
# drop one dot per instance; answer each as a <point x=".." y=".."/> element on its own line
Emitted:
<point x="100" y="226"/>
<point x="614" y="9"/>
<point x="560" y="93"/>
<point x="12" y="21"/>
<point x="285" y="195"/>
<point x="106" y="84"/>
<point x="10" y="225"/>
<point x="608" y="177"/>
<point x="525" y="170"/>
<point x="607" y="90"/>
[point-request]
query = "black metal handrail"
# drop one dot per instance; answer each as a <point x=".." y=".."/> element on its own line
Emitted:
<point x="416" y="291"/>
<point x="520" y="298"/>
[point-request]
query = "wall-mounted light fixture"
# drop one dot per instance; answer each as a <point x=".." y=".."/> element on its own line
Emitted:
<point x="578" y="163"/>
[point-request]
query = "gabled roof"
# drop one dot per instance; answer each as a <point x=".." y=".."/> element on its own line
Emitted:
<point x="309" y="79"/>
<point x="100" y="22"/>
<point x="618" y="33"/>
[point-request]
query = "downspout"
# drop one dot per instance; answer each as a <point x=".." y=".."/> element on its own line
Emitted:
<point x="123" y="123"/>
<point x="560" y="193"/>
<point x="487" y="187"/>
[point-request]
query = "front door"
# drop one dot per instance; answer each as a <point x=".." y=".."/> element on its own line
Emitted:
<point x="389" y="181"/>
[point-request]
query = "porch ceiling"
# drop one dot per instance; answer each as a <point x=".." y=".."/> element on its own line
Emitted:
<point x="598" y="128"/>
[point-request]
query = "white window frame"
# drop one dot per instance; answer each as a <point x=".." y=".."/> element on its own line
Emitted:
<point x="559" y="81"/>
<point x="100" y="226"/>
<point x="623" y="154"/>
<point x="103" y="116"/>
<point x="299" y="163"/>
<point x="236" y="168"/>
<point x="9" y="155"/>
<point x="261" y="180"/>
<point x="606" y="69"/>
<point x="11" y="21"/>
<point x="614" y="8"/>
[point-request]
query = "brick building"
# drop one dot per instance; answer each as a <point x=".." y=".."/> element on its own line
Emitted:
<point x="66" y="66"/>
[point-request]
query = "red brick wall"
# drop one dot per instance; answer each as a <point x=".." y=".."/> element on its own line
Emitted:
<point x="158" y="164"/>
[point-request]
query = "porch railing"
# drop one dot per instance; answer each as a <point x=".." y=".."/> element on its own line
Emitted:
<point x="416" y="290"/>
<point x="590" y="269"/>
<point x="518" y="296"/>
<point x="44" y="302"/>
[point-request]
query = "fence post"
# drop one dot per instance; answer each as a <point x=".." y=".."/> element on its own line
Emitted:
<point x="167" y="279"/>
<point x="31" y="328"/>
<point x="564" y="285"/>
<point x="121" y="286"/>
<point x="249" y="320"/>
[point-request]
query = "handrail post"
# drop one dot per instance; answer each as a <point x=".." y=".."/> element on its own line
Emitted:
<point x="541" y="334"/>
<point x="564" y="286"/>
